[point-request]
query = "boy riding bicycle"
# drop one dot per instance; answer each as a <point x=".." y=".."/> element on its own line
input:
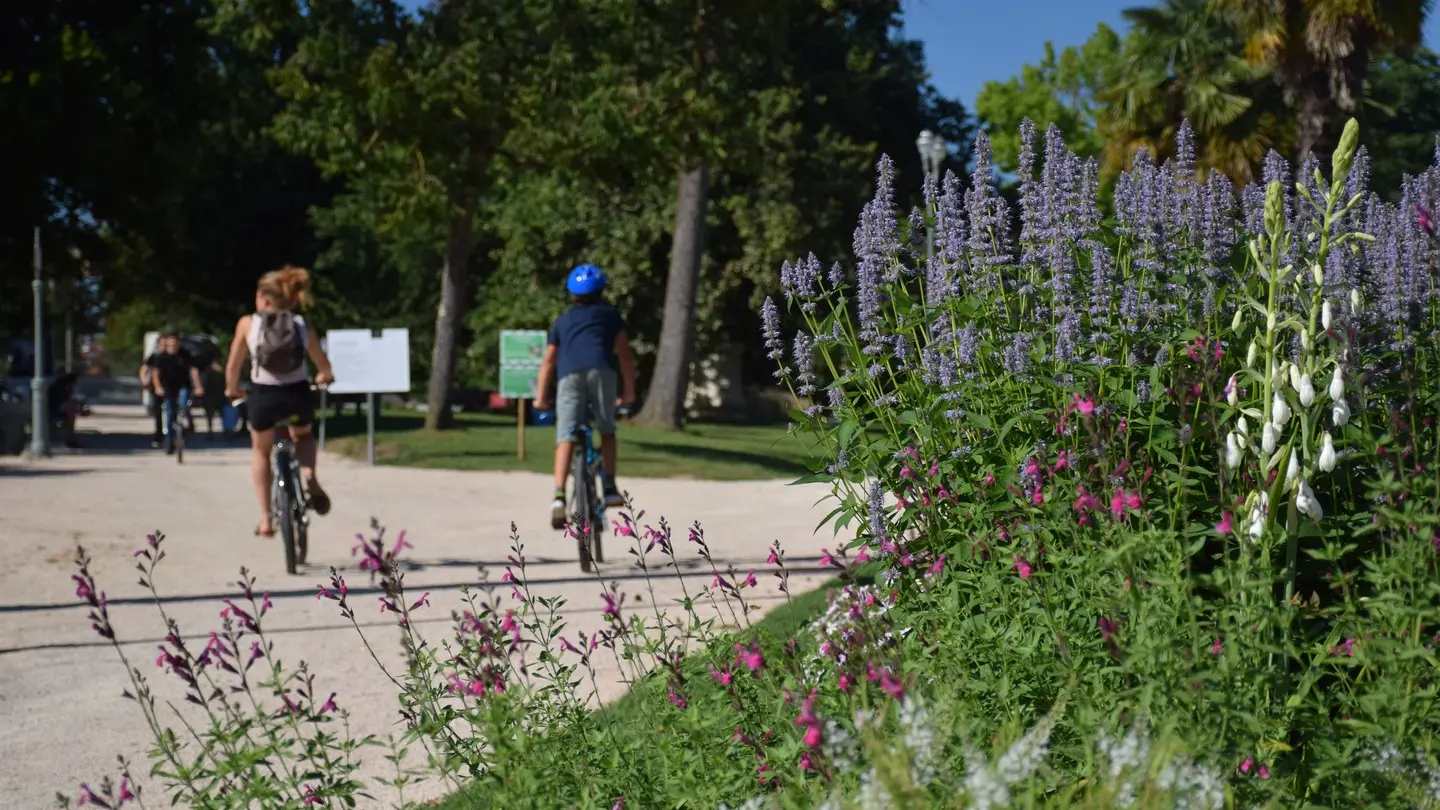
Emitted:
<point x="585" y="347"/>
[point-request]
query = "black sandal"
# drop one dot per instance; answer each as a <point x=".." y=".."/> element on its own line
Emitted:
<point x="319" y="499"/>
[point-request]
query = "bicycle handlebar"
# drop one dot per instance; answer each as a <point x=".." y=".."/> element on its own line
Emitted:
<point x="243" y="386"/>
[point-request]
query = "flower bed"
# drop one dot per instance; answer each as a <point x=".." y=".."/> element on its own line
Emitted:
<point x="1163" y="533"/>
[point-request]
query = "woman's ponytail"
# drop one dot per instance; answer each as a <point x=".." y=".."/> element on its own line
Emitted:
<point x="287" y="288"/>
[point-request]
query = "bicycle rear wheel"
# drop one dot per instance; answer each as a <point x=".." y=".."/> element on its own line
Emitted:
<point x="284" y="508"/>
<point x="597" y="520"/>
<point x="582" y="509"/>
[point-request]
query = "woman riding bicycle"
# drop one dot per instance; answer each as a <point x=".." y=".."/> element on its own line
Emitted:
<point x="277" y="341"/>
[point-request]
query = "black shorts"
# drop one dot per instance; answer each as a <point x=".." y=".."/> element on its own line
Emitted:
<point x="269" y="405"/>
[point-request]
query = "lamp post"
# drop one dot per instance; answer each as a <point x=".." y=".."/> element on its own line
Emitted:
<point x="932" y="153"/>
<point x="39" y="424"/>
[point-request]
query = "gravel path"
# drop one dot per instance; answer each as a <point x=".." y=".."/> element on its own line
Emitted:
<point x="60" y="684"/>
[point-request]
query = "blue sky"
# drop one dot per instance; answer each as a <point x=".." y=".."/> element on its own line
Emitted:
<point x="970" y="42"/>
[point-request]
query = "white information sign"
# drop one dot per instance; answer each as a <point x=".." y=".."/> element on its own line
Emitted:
<point x="369" y="361"/>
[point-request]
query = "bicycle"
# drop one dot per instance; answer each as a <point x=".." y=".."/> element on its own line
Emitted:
<point x="586" y="499"/>
<point x="289" y="503"/>
<point x="179" y="422"/>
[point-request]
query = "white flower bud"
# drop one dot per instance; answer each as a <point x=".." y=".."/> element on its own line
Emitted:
<point x="1232" y="391"/>
<point x="1294" y="372"/>
<point x="1279" y="410"/>
<point x="1306" y="502"/>
<point x="1250" y="355"/>
<point x="1234" y="451"/>
<point x="1270" y="322"/>
<point x="1326" y="317"/>
<point x="1269" y="437"/>
<point x="1337" y="385"/>
<point x="1236" y="321"/>
<point x="1354" y="302"/>
<point x="1292" y="470"/>
<point x="1340" y="413"/>
<point x="1305" y="339"/>
<point x="1307" y="391"/>
<point x="1243" y="427"/>
<point x="1327" y="453"/>
<point x="1318" y="273"/>
<point x="1257" y="516"/>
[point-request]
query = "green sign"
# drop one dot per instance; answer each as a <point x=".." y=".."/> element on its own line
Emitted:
<point x="522" y="348"/>
<point x="519" y="382"/>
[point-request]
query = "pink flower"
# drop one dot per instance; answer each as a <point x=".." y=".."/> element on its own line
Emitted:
<point x="1124" y="424"/>
<point x="1036" y="497"/>
<point x="619" y="804"/>
<point x="864" y="555"/>
<point x="1346" y="648"/>
<point x="675" y="698"/>
<point x="1022" y="565"/>
<point x="1226" y="524"/>
<point x="311" y="797"/>
<point x="989" y="479"/>
<point x="1264" y="772"/>
<point x="1086" y="501"/>
<point x="813" y="736"/>
<point x="612" y="606"/>
<point x="1061" y="461"/>
<point x="1086" y="406"/>
<point x="773" y="559"/>
<point x="567" y="646"/>
<point x="329" y="705"/>
<point x="749" y="580"/>
<point x="936" y="567"/>
<point x="1215" y="648"/>
<point x="1247" y="765"/>
<point x="750" y="656"/>
<point x="723" y="676"/>
<point x="892" y="685"/>
<point x="1424" y="220"/>
<point x="845" y="682"/>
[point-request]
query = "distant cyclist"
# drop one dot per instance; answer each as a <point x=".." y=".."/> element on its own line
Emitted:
<point x="175" y="376"/>
<point x="585" y="347"/>
<point x="277" y="339"/>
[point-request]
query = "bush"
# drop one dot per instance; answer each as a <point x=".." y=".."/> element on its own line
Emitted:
<point x="1144" y="515"/>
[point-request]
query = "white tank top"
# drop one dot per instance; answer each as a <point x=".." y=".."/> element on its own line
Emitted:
<point x="262" y="377"/>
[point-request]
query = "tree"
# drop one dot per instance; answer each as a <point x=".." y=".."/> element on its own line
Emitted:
<point x="1319" y="52"/>
<point x="1182" y="61"/>
<point x="419" y="115"/>
<point x="1061" y="90"/>
<point x="1401" y="117"/>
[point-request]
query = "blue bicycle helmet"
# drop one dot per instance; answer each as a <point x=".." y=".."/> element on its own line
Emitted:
<point x="585" y="279"/>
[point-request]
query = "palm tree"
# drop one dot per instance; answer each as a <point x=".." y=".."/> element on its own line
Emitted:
<point x="1183" y="60"/>
<point x="1319" y="52"/>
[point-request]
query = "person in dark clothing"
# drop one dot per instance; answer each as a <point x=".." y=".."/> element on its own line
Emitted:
<point x="63" y="407"/>
<point x="174" y="376"/>
<point x="586" y="347"/>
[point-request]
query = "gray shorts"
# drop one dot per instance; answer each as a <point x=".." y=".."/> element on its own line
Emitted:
<point x="592" y="390"/>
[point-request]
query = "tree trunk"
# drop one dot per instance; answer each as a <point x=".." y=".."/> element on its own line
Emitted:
<point x="1313" y="119"/>
<point x="665" y="400"/>
<point x="454" y="297"/>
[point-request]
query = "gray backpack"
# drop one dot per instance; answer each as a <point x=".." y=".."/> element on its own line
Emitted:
<point x="280" y="348"/>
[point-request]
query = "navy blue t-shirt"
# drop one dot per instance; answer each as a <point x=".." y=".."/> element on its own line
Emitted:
<point x="584" y="338"/>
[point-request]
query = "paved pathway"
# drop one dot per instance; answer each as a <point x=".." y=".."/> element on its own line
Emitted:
<point x="60" y="685"/>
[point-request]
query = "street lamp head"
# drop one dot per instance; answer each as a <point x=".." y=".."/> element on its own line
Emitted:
<point x="938" y="150"/>
<point x="923" y="143"/>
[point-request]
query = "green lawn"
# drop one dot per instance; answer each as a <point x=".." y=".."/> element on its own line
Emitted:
<point x="487" y="442"/>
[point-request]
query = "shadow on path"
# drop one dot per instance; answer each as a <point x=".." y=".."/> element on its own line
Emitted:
<point x="283" y="631"/>
<point x="629" y="575"/>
